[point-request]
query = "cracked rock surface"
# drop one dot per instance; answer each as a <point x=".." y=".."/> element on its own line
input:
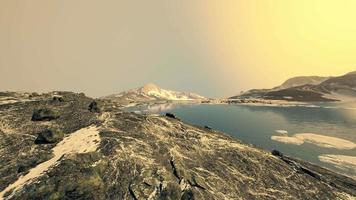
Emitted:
<point x="132" y="156"/>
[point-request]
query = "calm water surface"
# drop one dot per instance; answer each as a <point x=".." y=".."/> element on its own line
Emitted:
<point x="256" y="125"/>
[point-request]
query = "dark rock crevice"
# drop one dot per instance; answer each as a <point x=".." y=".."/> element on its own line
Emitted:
<point x="174" y="169"/>
<point x="194" y="183"/>
<point x="132" y="193"/>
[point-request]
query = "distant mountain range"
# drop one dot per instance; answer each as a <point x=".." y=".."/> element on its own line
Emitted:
<point x="152" y="92"/>
<point x="309" y="88"/>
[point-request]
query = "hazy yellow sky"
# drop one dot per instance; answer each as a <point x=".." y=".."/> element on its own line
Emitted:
<point x="216" y="48"/>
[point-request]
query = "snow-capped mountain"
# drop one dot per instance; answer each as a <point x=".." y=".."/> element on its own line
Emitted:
<point x="152" y="92"/>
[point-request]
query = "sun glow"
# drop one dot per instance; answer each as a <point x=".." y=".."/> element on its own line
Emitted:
<point x="283" y="38"/>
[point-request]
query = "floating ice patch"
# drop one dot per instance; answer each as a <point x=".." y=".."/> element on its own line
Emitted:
<point x="312" y="106"/>
<point x="287" y="140"/>
<point x="282" y="132"/>
<point x="340" y="161"/>
<point x="316" y="139"/>
<point x="326" y="141"/>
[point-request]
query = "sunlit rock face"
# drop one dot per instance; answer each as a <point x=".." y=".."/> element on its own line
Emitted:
<point x="112" y="154"/>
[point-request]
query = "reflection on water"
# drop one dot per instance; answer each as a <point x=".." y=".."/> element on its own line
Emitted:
<point x="159" y="108"/>
<point x="257" y="124"/>
<point x="311" y="114"/>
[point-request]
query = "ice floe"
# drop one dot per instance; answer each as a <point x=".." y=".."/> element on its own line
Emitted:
<point x="340" y="161"/>
<point x="287" y="140"/>
<point x="282" y="132"/>
<point x="316" y="139"/>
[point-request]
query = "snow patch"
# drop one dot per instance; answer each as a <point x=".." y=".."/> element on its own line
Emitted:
<point x="81" y="141"/>
<point x="340" y="97"/>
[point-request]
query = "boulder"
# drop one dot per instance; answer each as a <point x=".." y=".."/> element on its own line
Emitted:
<point x="49" y="136"/>
<point x="277" y="153"/>
<point x="93" y="107"/>
<point x="57" y="99"/>
<point x="44" y="114"/>
<point x="187" y="195"/>
<point x="170" y="115"/>
<point x="33" y="94"/>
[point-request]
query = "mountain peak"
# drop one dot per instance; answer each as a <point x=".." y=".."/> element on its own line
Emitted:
<point x="150" y="87"/>
<point x="151" y="92"/>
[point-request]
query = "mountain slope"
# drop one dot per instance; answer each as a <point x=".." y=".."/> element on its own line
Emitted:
<point x="290" y="83"/>
<point x="342" y="88"/>
<point x="301" y="80"/>
<point x="116" y="155"/>
<point x="151" y="92"/>
<point x="334" y="89"/>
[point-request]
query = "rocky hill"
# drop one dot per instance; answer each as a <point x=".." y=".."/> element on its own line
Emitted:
<point x="152" y="92"/>
<point x="301" y="80"/>
<point x="342" y="88"/>
<point x="290" y="83"/>
<point x="64" y="145"/>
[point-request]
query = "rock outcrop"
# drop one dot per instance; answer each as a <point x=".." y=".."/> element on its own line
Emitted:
<point x="146" y="157"/>
<point x="44" y="114"/>
<point x="93" y="107"/>
<point x="49" y="136"/>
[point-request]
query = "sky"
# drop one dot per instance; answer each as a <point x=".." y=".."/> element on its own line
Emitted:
<point x="214" y="48"/>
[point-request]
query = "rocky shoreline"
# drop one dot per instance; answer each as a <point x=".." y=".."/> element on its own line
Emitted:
<point x="135" y="156"/>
